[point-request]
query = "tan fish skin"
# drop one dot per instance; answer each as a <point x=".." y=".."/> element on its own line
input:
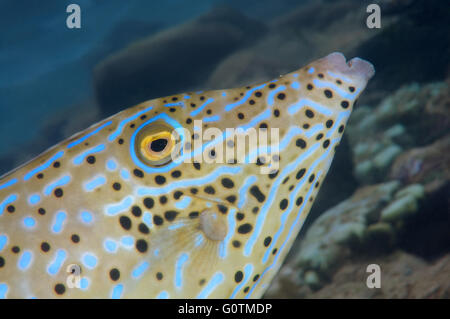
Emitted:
<point x="111" y="200"/>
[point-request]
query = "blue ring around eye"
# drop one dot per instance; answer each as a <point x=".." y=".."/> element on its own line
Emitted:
<point x="163" y="169"/>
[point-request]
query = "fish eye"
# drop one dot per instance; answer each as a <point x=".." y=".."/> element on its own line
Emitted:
<point x="154" y="144"/>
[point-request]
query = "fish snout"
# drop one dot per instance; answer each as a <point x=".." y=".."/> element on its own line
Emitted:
<point x="358" y="70"/>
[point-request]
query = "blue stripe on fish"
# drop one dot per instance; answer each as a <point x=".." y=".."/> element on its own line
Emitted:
<point x="60" y="182"/>
<point x="44" y="166"/>
<point x="215" y="281"/>
<point x="80" y="158"/>
<point x="7" y="201"/>
<point x="82" y="139"/>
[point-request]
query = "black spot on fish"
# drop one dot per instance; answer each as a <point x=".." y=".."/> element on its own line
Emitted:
<point x="138" y="173"/>
<point x="75" y="238"/>
<point x="45" y="247"/>
<point x="176" y="174"/>
<point x="163" y="199"/>
<point x="58" y="192"/>
<point x="300" y="173"/>
<point x="345" y="104"/>
<point x="231" y="198"/>
<point x="90" y="159"/>
<point x="245" y="228"/>
<point x="60" y="289"/>
<point x="329" y="123"/>
<point x="141" y="245"/>
<point x="300" y="143"/>
<point x="125" y="222"/>
<point x="159" y="179"/>
<point x="283" y="204"/>
<point x="210" y="190"/>
<point x="143" y="228"/>
<point x="149" y="202"/>
<point x="236" y="243"/>
<point x="136" y="211"/>
<point x="273" y="174"/>
<point x="157" y="220"/>
<point x="238" y="276"/>
<point x="114" y="274"/>
<point x="177" y="195"/>
<point x="170" y="215"/>
<point x="222" y="208"/>
<point x="193" y="215"/>
<point x="256" y="192"/>
<point x="227" y="183"/>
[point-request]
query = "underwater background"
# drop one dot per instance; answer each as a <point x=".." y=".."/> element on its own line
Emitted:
<point x="386" y="199"/>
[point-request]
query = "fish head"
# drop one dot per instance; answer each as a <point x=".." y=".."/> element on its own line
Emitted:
<point x="198" y="194"/>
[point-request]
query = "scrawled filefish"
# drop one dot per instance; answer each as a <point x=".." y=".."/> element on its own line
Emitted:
<point x="113" y="213"/>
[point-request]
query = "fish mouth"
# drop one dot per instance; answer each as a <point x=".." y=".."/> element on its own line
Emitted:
<point x="356" y="68"/>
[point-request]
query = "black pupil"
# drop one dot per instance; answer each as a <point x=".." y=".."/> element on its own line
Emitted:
<point x="158" y="145"/>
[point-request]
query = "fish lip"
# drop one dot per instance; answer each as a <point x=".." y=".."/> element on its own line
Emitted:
<point x="357" y="68"/>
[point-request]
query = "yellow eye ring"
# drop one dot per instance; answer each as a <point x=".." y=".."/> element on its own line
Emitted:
<point x="155" y="143"/>
<point x="157" y="146"/>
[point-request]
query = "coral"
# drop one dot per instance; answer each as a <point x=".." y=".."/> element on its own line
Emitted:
<point x="378" y="136"/>
<point x="369" y="223"/>
<point x="429" y="165"/>
<point x="402" y="276"/>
